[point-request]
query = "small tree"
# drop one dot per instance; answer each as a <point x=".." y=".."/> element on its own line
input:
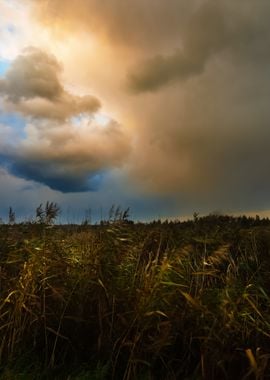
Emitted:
<point x="11" y="216"/>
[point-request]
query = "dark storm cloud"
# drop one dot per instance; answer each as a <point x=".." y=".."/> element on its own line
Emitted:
<point x="215" y="27"/>
<point x="205" y="35"/>
<point x="213" y="148"/>
<point x="49" y="174"/>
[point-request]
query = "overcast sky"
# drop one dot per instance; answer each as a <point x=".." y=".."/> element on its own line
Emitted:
<point x="159" y="105"/>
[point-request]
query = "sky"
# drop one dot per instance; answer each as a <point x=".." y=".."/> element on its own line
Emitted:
<point x="160" y="106"/>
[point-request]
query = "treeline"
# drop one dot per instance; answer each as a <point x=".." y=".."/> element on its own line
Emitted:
<point x="48" y="214"/>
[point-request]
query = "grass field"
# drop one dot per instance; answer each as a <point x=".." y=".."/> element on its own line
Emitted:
<point x="164" y="301"/>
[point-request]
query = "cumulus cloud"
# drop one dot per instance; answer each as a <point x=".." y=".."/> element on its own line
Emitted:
<point x="69" y="157"/>
<point x="64" y="147"/>
<point x="32" y="74"/>
<point x="32" y="86"/>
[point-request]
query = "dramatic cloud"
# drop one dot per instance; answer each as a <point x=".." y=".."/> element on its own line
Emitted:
<point x="188" y="80"/>
<point x="64" y="146"/>
<point x="32" y="86"/>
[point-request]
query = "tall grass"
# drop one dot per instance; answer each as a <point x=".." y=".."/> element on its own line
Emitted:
<point x="119" y="301"/>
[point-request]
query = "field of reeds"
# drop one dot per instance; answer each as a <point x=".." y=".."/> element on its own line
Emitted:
<point x="161" y="301"/>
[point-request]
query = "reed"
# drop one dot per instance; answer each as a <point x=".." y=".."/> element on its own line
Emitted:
<point x="134" y="301"/>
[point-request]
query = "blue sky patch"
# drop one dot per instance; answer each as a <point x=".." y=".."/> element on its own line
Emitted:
<point x="4" y="65"/>
<point x="15" y="121"/>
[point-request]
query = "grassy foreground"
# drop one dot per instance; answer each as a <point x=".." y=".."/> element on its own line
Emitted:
<point x="120" y="301"/>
